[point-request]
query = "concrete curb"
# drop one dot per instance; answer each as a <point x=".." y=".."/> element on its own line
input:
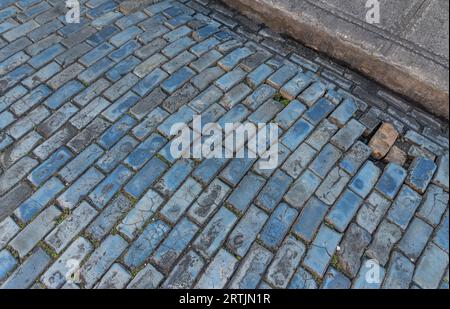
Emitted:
<point x="393" y="65"/>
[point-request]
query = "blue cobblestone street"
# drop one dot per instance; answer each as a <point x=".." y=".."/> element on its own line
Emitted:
<point x="91" y="196"/>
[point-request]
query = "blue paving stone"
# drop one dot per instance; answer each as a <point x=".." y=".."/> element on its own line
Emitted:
<point x="145" y="151"/>
<point x="102" y="9"/>
<point x="6" y="118"/>
<point x="310" y="219"/>
<point x="205" y="32"/>
<point x="366" y="271"/>
<point x="25" y="275"/>
<point x="11" y="96"/>
<point x="5" y="26"/>
<point x="126" y="35"/>
<point x="252" y="268"/>
<point x="355" y="157"/>
<point x="259" y="75"/>
<point x="102" y="35"/>
<point x="142" y="211"/>
<point x="32" y="99"/>
<point x="176" y="34"/>
<point x="147" y="176"/>
<point x="246" y="231"/>
<point x="415" y="238"/>
<point x="64" y="94"/>
<point x="177" y="79"/>
<point x="131" y="19"/>
<point x="236" y="170"/>
<point x="5" y="141"/>
<point x="348" y="135"/>
<point x="108" y="218"/>
<point x="7" y="12"/>
<point x="150" y="82"/>
<point x="70" y="198"/>
<point x="50" y="166"/>
<point x="322" y="250"/>
<point x="232" y="59"/>
<point x="319" y="111"/>
<point x="166" y="153"/>
<point x="81" y="163"/>
<point x="150" y="123"/>
<point x="431" y="268"/>
<point x="290" y="114"/>
<point x="385" y="238"/>
<point x="297" y="134"/>
<point x="434" y="205"/>
<point x="218" y="271"/>
<point x="146" y="243"/>
<point x="404" y="207"/>
<point x="106" y="190"/>
<point x="157" y="31"/>
<point x="266" y="112"/>
<point x="124" y="51"/>
<point x="178" y="21"/>
<point x="13" y="77"/>
<point x="281" y="76"/>
<point x="208" y="169"/>
<point x="33" y="205"/>
<point x="96" y="54"/>
<point x="285" y="262"/>
<point x="442" y="234"/>
<point x="247" y="190"/>
<point x="119" y="107"/>
<point x="400" y="272"/>
<point x="96" y="70"/>
<point x="46" y="56"/>
<point x="325" y="160"/>
<point x="302" y="280"/>
<point x="117" y="153"/>
<point x="7" y="263"/>
<point x="344" y="210"/>
<point x="296" y="85"/>
<point x="185" y="273"/>
<point x="116" y="131"/>
<point x="344" y="112"/>
<point x="42" y="75"/>
<point x="335" y="280"/>
<point x="278" y="225"/>
<point x="302" y="189"/>
<point x="312" y="93"/>
<point x="101" y="259"/>
<point x="215" y="232"/>
<point x="174" y="244"/>
<point x="182" y="200"/>
<point x="274" y="191"/>
<point x="231" y="79"/>
<point x="177" y="47"/>
<point x="205" y="46"/>
<point x="365" y="180"/>
<point x="442" y="175"/>
<point x="420" y="174"/>
<point x="237" y="114"/>
<point x="174" y="177"/>
<point x="122" y="68"/>
<point x="391" y="180"/>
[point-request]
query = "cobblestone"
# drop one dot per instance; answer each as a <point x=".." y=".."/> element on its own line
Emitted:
<point x="86" y="171"/>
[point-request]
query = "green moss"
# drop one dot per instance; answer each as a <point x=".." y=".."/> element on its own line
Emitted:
<point x="280" y="98"/>
<point x="64" y="215"/>
<point x="48" y="250"/>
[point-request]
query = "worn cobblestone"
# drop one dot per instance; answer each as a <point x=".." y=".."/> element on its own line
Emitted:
<point x="86" y="172"/>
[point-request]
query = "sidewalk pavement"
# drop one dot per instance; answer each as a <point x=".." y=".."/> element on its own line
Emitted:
<point x="406" y="52"/>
